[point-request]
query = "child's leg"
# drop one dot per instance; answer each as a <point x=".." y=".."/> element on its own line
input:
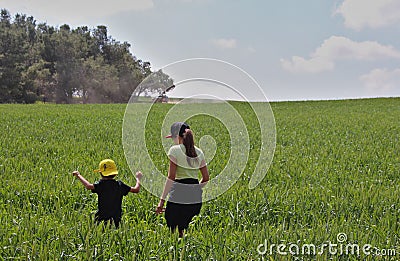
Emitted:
<point x="116" y="222"/>
<point x="172" y="228"/>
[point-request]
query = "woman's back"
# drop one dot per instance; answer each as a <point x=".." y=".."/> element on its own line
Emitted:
<point x="187" y="167"/>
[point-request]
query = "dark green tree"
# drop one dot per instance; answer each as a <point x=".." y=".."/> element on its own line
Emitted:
<point x="64" y="65"/>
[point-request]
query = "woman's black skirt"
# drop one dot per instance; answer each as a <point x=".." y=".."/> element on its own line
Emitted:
<point x="183" y="204"/>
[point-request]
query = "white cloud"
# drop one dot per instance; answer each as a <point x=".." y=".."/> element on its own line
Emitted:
<point x="224" y="43"/>
<point x="250" y="49"/>
<point x="381" y="81"/>
<point x="358" y="14"/>
<point x="313" y="65"/>
<point x="74" y="10"/>
<point x="339" y="48"/>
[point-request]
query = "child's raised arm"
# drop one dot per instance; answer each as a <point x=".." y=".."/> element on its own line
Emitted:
<point x="85" y="183"/>
<point x="136" y="188"/>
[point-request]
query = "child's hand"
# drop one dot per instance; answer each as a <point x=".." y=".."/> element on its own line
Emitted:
<point x="139" y="175"/>
<point x="75" y="173"/>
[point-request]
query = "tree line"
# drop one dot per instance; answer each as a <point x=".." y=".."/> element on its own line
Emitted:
<point x="39" y="62"/>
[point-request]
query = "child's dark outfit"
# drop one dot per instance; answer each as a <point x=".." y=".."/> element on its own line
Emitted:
<point x="110" y="193"/>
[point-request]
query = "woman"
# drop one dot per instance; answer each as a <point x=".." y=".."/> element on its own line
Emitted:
<point x="182" y="185"/>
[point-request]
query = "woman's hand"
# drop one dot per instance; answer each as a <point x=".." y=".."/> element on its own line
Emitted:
<point x="75" y="173"/>
<point x="160" y="208"/>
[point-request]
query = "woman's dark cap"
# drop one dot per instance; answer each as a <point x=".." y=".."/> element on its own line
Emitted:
<point x="178" y="128"/>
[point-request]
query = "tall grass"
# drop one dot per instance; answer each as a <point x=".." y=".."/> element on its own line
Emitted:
<point x="335" y="170"/>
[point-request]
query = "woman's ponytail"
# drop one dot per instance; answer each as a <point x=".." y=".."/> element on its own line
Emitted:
<point x="188" y="142"/>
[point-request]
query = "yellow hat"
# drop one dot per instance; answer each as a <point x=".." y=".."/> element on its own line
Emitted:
<point x="107" y="167"/>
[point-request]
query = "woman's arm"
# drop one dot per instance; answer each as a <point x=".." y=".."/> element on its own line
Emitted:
<point x="136" y="188"/>
<point x="167" y="186"/>
<point x="205" y="177"/>
<point x="85" y="183"/>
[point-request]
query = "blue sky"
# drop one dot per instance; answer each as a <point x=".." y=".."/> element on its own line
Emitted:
<point x="295" y="50"/>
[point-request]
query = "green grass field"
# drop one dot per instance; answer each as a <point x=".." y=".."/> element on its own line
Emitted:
<point x="336" y="169"/>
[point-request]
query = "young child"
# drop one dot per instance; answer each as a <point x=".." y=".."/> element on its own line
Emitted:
<point x="109" y="191"/>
